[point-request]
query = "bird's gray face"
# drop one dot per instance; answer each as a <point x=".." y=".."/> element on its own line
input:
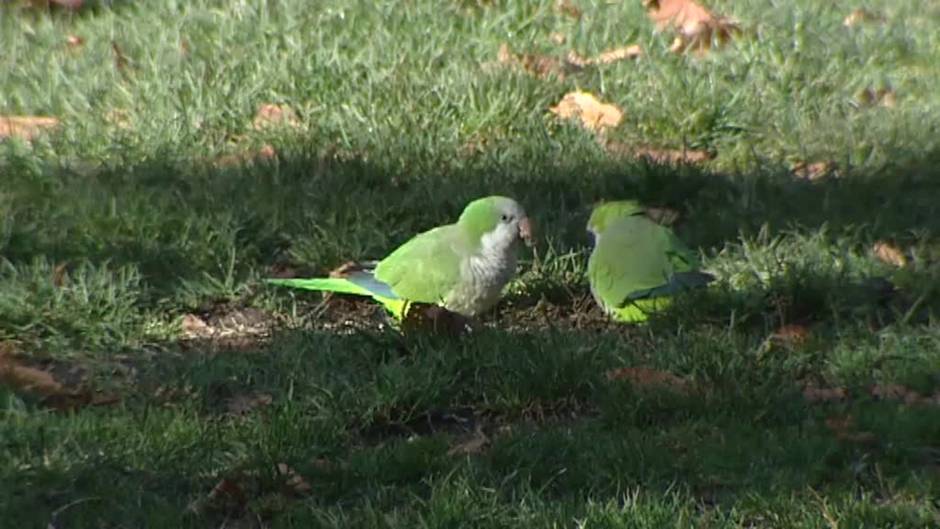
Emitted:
<point x="514" y="224"/>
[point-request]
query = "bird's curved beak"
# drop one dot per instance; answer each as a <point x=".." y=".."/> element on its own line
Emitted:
<point x="525" y="231"/>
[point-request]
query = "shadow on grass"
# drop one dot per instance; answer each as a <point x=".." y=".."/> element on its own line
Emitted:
<point x="385" y="411"/>
<point x="370" y="418"/>
<point x="178" y="220"/>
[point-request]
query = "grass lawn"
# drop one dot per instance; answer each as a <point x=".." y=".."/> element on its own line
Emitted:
<point x="801" y="390"/>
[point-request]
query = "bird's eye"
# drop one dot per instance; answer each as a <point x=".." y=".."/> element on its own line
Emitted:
<point x="506" y="218"/>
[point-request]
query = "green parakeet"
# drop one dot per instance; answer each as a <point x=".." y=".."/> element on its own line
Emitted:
<point x="462" y="266"/>
<point x="636" y="263"/>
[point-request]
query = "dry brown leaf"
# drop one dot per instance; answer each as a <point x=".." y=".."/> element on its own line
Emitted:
<point x="813" y="394"/>
<point x="120" y="60"/>
<point x="271" y="115"/>
<point x="25" y="127"/>
<point x="567" y="7"/>
<point x="663" y="216"/>
<point x="349" y="267"/>
<point x="541" y="66"/>
<point x="292" y="480"/>
<point x="42" y="383"/>
<point x="58" y="274"/>
<point x="897" y="392"/>
<point x="870" y="97"/>
<point x="859" y="16"/>
<point x="265" y="153"/>
<point x="227" y="329"/>
<point x="558" y="38"/>
<point x="594" y="115"/>
<point x="193" y="326"/>
<point x="843" y="427"/>
<point x="888" y="253"/>
<point x="647" y="378"/>
<point x="119" y="117"/>
<point x="227" y="495"/>
<point x="74" y="42"/>
<point x="618" y="54"/>
<point x="673" y="156"/>
<point x="434" y="319"/>
<point x="46" y="4"/>
<point x="793" y="334"/>
<point x="697" y="27"/>
<point x="659" y="156"/>
<point x="243" y="404"/>
<point x="472" y="445"/>
<point x="28" y="379"/>
<point x="632" y="51"/>
<point x="813" y="171"/>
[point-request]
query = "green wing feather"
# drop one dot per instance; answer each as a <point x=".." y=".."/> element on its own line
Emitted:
<point x="633" y="258"/>
<point x="395" y="307"/>
<point x="427" y="267"/>
<point x="425" y="270"/>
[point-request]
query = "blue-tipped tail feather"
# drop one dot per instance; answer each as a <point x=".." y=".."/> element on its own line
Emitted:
<point x="359" y="283"/>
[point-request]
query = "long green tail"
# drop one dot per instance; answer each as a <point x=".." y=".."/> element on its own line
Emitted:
<point x="396" y="307"/>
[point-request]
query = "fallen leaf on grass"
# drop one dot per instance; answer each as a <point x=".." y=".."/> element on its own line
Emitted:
<point x="663" y="216"/>
<point x="871" y="97"/>
<point x="696" y="26"/>
<point x="271" y="115"/>
<point x="593" y="114"/>
<point x="657" y="155"/>
<point x="41" y="383"/>
<point x="843" y="427"/>
<point x="861" y="15"/>
<point x="28" y="379"/>
<point x="541" y="66"/>
<point x="567" y="7"/>
<point x="226" y="496"/>
<point x="607" y="57"/>
<point x="434" y="319"/>
<point x="293" y="481"/>
<point x="67" y="4"/>
<point x="119" y="117"/>
<point x="646" y="378"/>
<point x="120" y="60"/>
<point x="25" y="127"/>
<point x="244" y="404"/>
<point x="792" y="334"/>
<point x="347" y="268"/>
<point x="472" y="445"/>
<point x="888" y="253"/>
<point x="265" y="153"/>
<point x="900" y="393"/>
<point x="193" y="326"/>
<point x="815" y="394"/>
<point x="813" y="171"/>
<point x="74" y="42"/>
<point x="228" y="329"/>
<point x="58" y="274"/>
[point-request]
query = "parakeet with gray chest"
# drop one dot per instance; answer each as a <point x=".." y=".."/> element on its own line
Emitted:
<point x="461" y="266"/>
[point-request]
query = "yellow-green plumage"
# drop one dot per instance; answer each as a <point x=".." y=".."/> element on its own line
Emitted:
<point x="396" y="307"/>
<point x="461" y="266"/>
<point x="637" y="264"/>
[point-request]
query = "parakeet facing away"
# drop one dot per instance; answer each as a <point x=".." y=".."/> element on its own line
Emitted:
<point x="462" y="266"/>
<point x="636" y="263"/>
